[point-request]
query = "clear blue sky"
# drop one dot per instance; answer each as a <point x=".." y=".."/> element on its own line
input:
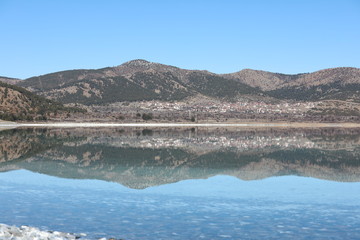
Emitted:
<point x="43" y="36"/>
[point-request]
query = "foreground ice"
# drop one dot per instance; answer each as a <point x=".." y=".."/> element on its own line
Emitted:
<point x="30" y="233"/>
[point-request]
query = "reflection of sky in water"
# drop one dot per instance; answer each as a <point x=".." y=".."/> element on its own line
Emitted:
<point x="221" y="207"/>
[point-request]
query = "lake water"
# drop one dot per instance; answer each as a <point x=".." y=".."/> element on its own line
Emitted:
<point x="183" y="183"/>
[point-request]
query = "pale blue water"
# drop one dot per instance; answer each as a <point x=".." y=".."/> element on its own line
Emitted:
<point x="179" y="186"/>
<point x="221" y="207"/>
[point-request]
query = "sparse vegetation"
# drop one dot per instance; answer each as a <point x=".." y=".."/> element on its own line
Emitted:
<point x="219" y="87"/>
<point x="333" y="91"/>
<point x="17" y="103"/>
<point x="96" y="87"/>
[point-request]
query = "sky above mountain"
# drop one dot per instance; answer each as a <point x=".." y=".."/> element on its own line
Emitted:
<point x="41" y="36"/>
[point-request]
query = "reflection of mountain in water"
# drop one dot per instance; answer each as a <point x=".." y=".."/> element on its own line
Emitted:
<point x="142" y="158"/>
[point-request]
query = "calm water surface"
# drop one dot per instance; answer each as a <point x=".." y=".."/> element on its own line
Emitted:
<point x="183" y="183"/>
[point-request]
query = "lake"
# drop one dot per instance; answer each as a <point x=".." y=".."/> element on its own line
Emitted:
<point x="183" y="183"/>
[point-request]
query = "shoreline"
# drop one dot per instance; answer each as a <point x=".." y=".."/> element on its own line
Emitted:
<point x="6" y="125"/>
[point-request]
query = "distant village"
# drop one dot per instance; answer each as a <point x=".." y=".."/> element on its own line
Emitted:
<point x="198" y="111"/>
<point x="228" y="107"/>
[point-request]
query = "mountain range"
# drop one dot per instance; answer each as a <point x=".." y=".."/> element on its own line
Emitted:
<point x="326" y="95"/>
<point x="139" y="80"/>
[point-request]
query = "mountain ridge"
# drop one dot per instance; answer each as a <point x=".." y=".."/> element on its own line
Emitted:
<point x="146" y="65"/>
<point x="135" y="80"/>
<point x="281" y="79"/>
<point x="141" y="80"/>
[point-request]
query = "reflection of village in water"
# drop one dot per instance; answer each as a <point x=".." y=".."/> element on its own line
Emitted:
<point x="139" y="158"/>
<point x="237" y="140"/>
<point x="212" y="142"/>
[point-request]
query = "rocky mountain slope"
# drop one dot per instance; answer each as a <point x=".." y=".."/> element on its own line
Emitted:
<point x="7" y="80"/>
<point x="17" y="103"/>
<point x="341" y="83"/>
<point x="140" y="80"/>
<point x="136" y="80"/>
